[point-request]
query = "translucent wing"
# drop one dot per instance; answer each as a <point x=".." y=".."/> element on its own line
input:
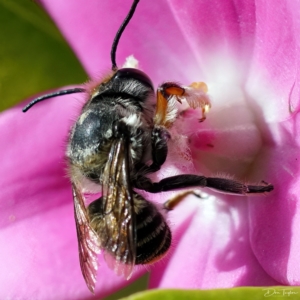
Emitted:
<point x="88" y="243"/>
<point x="118" y="234"/>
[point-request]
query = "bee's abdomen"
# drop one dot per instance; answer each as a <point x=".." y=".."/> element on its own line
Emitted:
<point x="152" y="232"/>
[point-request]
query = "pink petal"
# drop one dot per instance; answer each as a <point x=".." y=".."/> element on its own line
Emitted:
<point x="276" y="54"/>
<point x="90" y="27"/>
<point x="264" y="39"/>
<point x="211" y="247"/>
<point x="274" y="229"/>
<point x="39" y="254"/>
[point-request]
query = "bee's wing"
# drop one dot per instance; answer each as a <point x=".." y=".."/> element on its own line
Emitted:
<point x="88" y="243"/>
<point x="118" y="236"/>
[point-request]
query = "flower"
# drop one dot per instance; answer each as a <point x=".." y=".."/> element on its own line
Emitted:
<point x="247" y="53"/>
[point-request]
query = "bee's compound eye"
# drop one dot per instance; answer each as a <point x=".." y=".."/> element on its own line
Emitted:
<point x="130" y="73"/>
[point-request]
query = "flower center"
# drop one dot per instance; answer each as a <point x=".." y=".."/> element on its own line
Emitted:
<point x="229" y="140"/>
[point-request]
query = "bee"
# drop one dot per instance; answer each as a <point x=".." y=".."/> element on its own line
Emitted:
<point x="119" y="139"/>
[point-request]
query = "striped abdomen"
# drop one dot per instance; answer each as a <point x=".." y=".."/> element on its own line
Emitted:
<point x="153" y="233"/>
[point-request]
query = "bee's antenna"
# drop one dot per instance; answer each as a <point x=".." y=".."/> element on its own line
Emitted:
<point x="119" y="33"/>
<point x="113" y="61"/>
<point x="52" y="95"/>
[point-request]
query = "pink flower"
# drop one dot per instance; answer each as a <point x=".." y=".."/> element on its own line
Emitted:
<point x="248" y="54"/>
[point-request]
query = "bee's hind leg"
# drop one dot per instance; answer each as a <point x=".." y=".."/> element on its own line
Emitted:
<point x="96" y="210"/>
<point x="178" y="198"/>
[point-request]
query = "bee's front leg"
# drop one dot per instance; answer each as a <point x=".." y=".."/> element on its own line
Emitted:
<point x="195" y="95"/>
<point x="165" y="114"/>
<point x="160" y="137"/>
<point x="159" y="141"/>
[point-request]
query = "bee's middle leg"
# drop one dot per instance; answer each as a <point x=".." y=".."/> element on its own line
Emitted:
<point x="194" y="181"/>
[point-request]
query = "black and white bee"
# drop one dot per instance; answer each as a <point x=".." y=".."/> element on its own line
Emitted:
<point x="120" y="137"/>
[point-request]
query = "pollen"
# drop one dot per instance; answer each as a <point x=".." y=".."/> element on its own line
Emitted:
<point x="199" y="85"/>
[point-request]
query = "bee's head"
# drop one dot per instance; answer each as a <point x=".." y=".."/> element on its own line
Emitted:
<point x="126" y="83"/>
<point x="126" y="74"/>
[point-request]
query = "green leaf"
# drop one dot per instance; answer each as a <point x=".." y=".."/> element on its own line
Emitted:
<point x="243" y="293"/>
<point x="33" y="55"/>
<point x="136" y="286"/>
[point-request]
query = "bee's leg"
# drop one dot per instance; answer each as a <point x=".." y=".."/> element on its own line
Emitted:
<point x="160" y="137"/>
<point x="164" y="93"/>
<point x="159" y="141"/>
<point x="95" y="209"/>
<point x="173" y="202"/>
<point x="169" y="89"/>
<point x="195" y="95"/>
<point x="188" y="181"/>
